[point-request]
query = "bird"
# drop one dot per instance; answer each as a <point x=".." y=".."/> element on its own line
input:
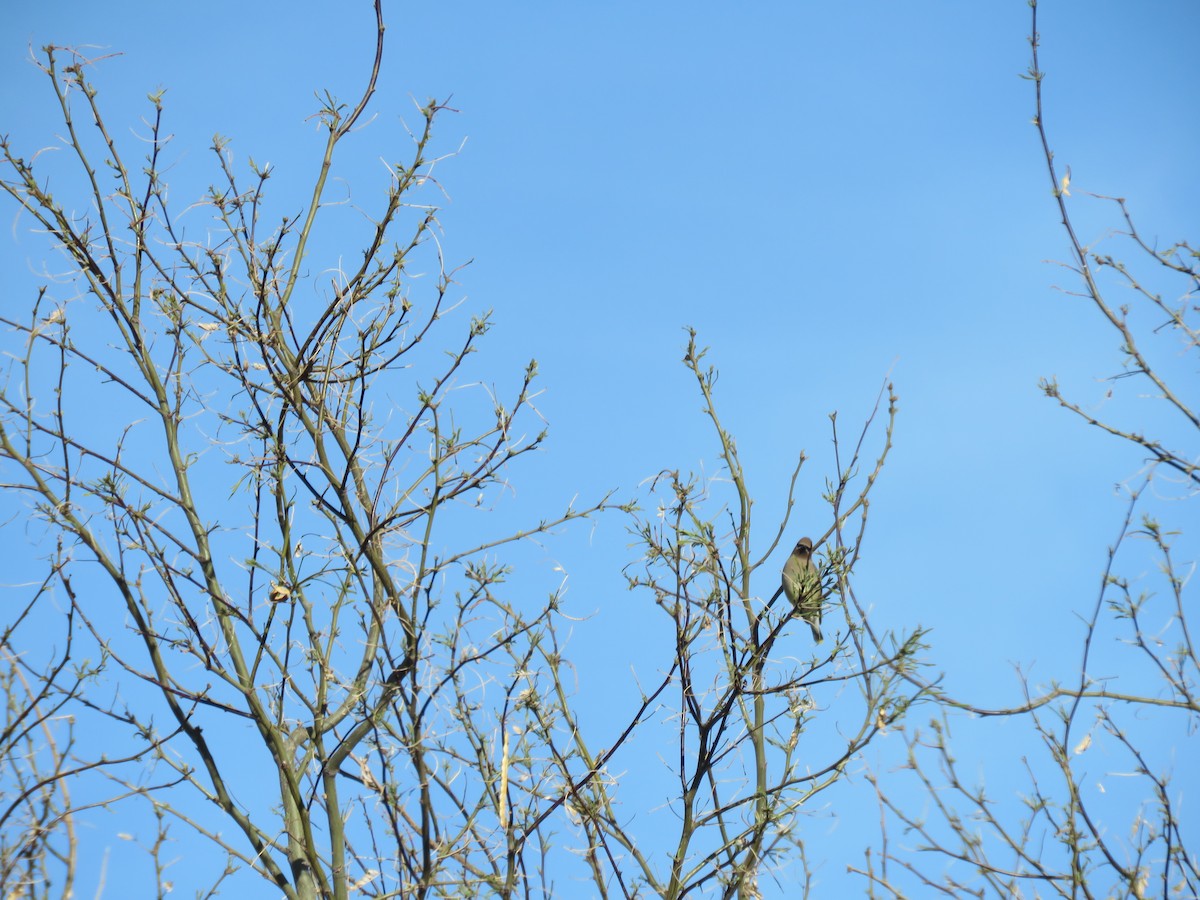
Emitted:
<point x="802" y="584"/>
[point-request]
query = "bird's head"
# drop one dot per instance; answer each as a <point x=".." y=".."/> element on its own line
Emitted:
<point x="804" y="546"/>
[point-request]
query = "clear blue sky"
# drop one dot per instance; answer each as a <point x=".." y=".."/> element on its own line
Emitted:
<point x="830" y="193"/>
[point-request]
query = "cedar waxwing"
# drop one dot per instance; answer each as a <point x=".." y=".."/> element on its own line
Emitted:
<point x="802" y="584"/>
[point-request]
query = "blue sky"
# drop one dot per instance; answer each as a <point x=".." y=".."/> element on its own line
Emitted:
<point x="831" y="194"/>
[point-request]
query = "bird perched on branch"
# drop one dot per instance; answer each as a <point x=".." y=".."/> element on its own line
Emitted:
<point x="802" y="584"/>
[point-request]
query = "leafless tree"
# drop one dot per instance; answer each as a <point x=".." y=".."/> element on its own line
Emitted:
<point x="1102" y="811"/>
<point x="757" y="724"/>
<point x="274" y="612"/>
